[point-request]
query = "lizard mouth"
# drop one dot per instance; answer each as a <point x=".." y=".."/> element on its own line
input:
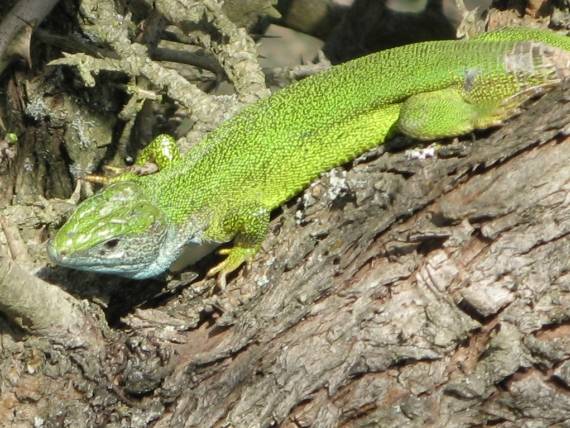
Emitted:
<point x="87" y="263"/>
<point x="54" y="255"/>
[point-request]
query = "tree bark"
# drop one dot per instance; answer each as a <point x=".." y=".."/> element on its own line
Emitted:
<point x="430" y="292"/>
<point x="407" y="291"/>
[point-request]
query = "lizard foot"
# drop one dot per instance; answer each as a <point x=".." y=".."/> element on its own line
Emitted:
<point x="236" y="256"/>
<point x="159" y="153"/>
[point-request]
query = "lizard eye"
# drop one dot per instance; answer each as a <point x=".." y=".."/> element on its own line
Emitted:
<point x="112" y="243"/>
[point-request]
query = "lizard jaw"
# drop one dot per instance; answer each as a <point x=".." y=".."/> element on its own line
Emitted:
<point x="85" y="263"/>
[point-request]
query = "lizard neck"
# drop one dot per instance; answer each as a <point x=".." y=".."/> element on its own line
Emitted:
<point x="183" y="245"/>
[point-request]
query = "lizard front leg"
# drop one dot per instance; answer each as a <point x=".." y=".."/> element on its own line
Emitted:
<point x="247" y="224"/>
<point x="161" y="151"/>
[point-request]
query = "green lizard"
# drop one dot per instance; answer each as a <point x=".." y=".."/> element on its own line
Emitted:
<point x="226" y="186"/>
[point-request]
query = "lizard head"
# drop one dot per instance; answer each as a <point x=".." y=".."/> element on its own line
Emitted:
<point x="118" y="231"/>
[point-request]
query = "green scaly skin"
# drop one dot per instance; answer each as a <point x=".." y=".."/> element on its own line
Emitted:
<point x="227" y="185"/>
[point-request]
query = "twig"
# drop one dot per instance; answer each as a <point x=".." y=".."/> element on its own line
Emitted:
<point x="237" y="53"/>
<point x="43" y="309"/>
<point x="26" y="14"/>
<point x="102" y="22"/>
<point x="17" y="248"/>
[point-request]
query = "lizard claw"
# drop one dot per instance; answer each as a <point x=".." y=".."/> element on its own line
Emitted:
<point x="236" y="256"/>
<point x="114" y="169"/>
<point x="99" y="179"/>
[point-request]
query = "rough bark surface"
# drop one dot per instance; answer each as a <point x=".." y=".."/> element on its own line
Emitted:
<point x="408" y="291"/>
<point x="432" y="292"/>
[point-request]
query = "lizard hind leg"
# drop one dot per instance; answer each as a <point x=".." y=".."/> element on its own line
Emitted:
<point x="446" y="113"/>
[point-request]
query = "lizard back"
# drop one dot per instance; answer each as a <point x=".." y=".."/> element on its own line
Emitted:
<point x="272" y="149"/>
